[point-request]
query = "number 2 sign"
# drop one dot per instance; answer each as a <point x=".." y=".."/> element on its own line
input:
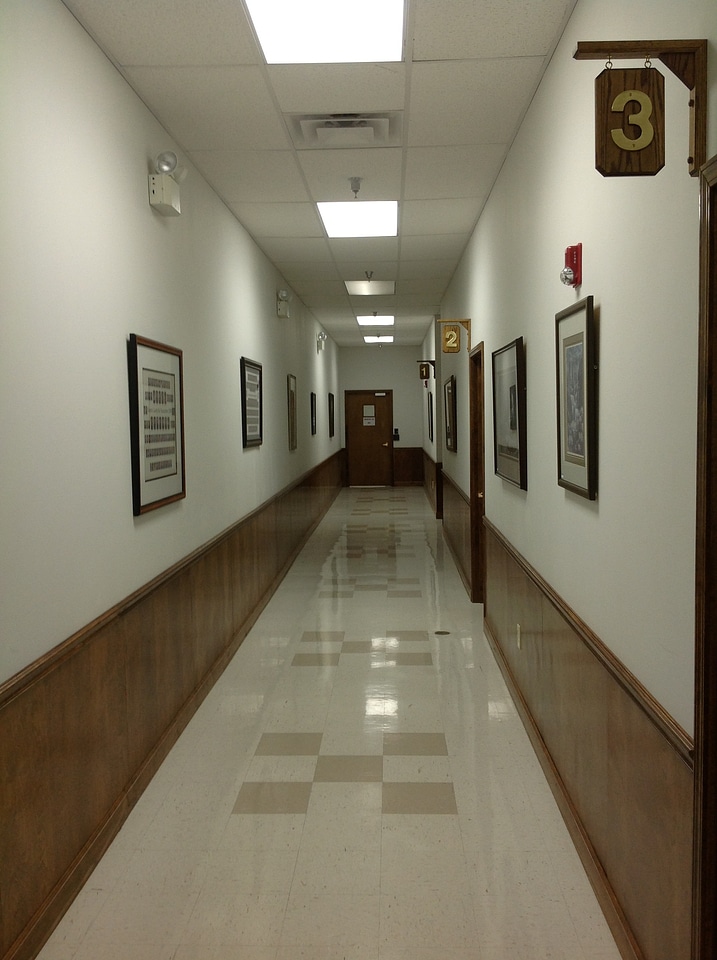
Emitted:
<point x="629" y="122"/>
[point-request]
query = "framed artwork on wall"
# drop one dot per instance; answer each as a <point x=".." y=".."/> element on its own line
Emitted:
<point x="156" y="409"/>
<point x="449" y="407"/>
<point x="331" y="415"/>
<point x="430" y="416"/>
<point x="576" y="384"/>
<point x="313" y="414"/>
<point x="291" y="409"/>
<point x="510" y="451"/>
<point x="251" y="403"/>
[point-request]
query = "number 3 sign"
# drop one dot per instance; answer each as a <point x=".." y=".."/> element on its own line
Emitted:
<point x="629" y="122"/>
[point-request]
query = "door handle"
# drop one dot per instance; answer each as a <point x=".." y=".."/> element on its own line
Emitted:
<point x="480" y="495"/>
<point x="385" y="444"/>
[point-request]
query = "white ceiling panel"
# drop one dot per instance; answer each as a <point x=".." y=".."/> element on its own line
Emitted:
<point x="339" y="88"/>
<point x="293" y="248"/>
<point x="212" y="108"/>
<point x="465" y="29"/>
<point x="165" y="32"/>
<point x="328" y="173"/>
<point x="469" y="101"/>
<point x="429" y="217"/>
<point x="279" y="219"/>
<point x="356" y="269"/>
<point x="434" y="173"/>
<point x="440" y="124"/>
<point x="250" y="176"/>
<point x="439" y="247"/>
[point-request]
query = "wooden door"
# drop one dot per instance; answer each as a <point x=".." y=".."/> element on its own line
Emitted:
<point x="477" y="477"/>
<point x="369" y="437"/>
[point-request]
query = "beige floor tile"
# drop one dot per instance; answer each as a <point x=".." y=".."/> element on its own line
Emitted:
<point x="272" y="797"/>
<point x="419" y="798"/>
<point x="288" y="744"/>
<point x="315" y="660"/>
<point x="348" y="769"/>
<point x="415" y="744"/>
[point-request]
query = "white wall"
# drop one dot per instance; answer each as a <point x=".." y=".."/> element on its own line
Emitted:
<point x="626" y="562"/>
<point x="84" y="262"/>
<point x="388" y="367"/>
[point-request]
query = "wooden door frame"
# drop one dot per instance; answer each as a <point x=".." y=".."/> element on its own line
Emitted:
<point x="704" y="890"/>
<point x="476" y="381"/>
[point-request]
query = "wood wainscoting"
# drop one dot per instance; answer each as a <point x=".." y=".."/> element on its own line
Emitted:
<point x="433" y="484"/>
<point x="457" y="528"/>
<point x="407" y="466"/>
<point x="84" y="729"/>
<point x="620" y="767"/>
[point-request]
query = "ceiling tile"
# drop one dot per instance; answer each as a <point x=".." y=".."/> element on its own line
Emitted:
<point x="464" y="29"/>
<point x="443" y="172"/>
<point x="440" y="247"/>
<point x="167" y="32"/>
<point x="328" y="173"/>
<point x="470" y="101"/>
<point x="362" y="249"/>
<point x="291" y="248"/>
<point x="380" y="269"/>
<point x="430" y="217"/>
<point x="297" y="270"/>
<point x="427" y="269"/>
<point x="212" y="108"/>
<point x="248" y="176"/>
<point x="279" y="219"/>
<point x="339" y="88"/>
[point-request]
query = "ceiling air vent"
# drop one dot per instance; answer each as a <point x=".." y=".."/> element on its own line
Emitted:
<point x="336" y="130"/>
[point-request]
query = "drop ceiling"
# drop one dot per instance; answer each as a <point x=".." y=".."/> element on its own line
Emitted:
<point x="430" y="132"/>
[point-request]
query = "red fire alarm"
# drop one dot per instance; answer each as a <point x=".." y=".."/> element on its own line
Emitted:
<point x="572" y="273"/>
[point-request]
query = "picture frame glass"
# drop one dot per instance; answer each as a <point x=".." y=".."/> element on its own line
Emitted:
<point x="449" y="408"/>
<point x="509" y="413"/>
<point x="291" y="411"/>
<point x="576" y="408"/>
<point x="251" y="403"/>
<point x="156" y="396"/>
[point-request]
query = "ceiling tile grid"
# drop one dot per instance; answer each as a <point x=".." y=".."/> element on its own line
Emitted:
<point x="431" y="132"/>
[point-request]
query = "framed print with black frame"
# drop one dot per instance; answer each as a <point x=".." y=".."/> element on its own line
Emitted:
<point x="251" y="403"/>
<point x="313" y="414"/>
<point x="430" y="416"/>
<point x="291" y="410"/>
<point x="449" y="409"/>
<point x="576" y="385"/>
<point x="510" y="451"/>
<point x="156" y="408"/>
<point x="331" y="416"/>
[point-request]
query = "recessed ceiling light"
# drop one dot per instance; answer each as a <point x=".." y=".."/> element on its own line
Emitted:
<point x="378" y="339"/>
<point x="375" y="321"/>
<point x="370" y="288"/>
<point x="360" y="218"/>
<point x="326" y="31"/>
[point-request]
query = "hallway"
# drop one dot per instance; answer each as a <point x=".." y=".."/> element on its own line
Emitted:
<point x="356" y="786"/>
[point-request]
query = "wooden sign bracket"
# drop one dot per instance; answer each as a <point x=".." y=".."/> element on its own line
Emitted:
<point x="687" y="59"/>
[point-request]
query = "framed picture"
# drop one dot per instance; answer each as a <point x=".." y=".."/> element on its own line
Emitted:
<point x="156" y="410"/>
<point x="313" y="414"/>
<point x="576" y="382"/>
<point x="251" y="403"/>
<point x="449" y="406"/>
<point x="291" y="409"/>
<point x="430" y="416"/>
<point x="510" y="451"/>
<point x="331" y="415"/>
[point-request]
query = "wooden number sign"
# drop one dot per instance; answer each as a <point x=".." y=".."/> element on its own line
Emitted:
<point x="629" y="122"/>
<point x="451" y="338"/>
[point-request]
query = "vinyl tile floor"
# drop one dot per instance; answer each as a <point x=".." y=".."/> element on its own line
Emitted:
<point x="356" y="786"/>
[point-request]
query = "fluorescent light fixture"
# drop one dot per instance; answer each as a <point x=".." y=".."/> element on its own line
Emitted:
<point x="378" y="339"/>
<point x="360" y="218"/>
<point x="375" y="321"/>
<point x="329" y="31"/>
<point x="370" y="288"/>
